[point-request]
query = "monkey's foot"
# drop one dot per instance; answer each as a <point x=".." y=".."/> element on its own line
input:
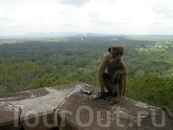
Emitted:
<point x="99" y="97"/>
<point x="115" y="100"/>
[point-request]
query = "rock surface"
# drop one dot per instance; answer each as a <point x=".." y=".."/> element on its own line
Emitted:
<point x="67" y="108"/>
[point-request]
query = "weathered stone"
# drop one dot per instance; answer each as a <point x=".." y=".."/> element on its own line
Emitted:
<point x="66" y="108"/>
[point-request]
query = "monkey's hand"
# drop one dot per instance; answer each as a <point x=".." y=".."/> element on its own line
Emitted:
<point x="115" y="81"/>
<point x="115" y="100"/>
<point x="117" y="73"/>
<point x="112" y="60"/>
<point x="116" y="77"/>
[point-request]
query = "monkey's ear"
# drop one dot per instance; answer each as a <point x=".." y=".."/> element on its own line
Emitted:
<point x="109" y="49"/>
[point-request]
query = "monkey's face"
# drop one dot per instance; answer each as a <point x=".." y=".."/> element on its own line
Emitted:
<point x="116" y="54"/>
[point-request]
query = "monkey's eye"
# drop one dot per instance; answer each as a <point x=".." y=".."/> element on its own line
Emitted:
<point x="118" y="53"/>
<point x="109" y="49"/>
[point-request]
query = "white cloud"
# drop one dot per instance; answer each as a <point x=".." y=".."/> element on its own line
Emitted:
<point x="103" y="16"/>
<point x="74" y="2"/>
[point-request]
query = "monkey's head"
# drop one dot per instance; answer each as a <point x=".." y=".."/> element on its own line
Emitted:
<point x="116" y="52"/>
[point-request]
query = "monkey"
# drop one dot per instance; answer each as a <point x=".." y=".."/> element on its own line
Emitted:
<point x="169" y="113"/>
<point x="112" y="73"/>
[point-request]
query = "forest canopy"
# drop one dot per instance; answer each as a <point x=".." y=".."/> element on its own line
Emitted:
<point x="31" y="63"/>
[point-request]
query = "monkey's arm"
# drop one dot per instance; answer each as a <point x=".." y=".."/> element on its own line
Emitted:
<point x="121" y="71"/>
<point x="120" y="78"/>
<point x="101" y="71"/>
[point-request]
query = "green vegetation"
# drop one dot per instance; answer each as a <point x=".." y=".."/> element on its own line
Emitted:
<point x="42" y="62"/>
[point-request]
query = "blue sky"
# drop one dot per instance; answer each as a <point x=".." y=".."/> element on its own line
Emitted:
<point x="18" y="17"/>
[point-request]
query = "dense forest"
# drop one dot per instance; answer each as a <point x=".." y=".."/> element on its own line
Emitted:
<point x="29" y="63"/>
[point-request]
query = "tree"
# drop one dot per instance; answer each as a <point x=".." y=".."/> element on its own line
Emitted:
<point x="17" y="76"/>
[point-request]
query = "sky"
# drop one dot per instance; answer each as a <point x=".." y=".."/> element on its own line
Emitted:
<point x="19" y="17"/>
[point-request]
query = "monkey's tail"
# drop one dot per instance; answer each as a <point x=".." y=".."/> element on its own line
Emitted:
<point x="167" y="110"/>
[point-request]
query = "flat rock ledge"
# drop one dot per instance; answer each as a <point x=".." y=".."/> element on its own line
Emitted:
<point x="67" y="108"/>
